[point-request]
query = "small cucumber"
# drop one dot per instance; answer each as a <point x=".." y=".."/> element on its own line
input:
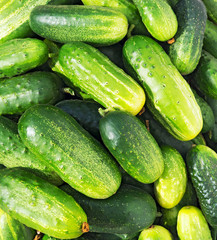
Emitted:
<point x="210" y="38"/>
<point x="91" y="24"/>
<point x="155" y="232"/>
<point x="211" y="6"/>
<point x="191" y="224"/>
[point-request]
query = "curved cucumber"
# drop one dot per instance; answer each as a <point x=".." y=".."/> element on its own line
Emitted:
<point x="96" y="25"/>
<point x="155" y="232"/>
<point x="169" y="97"/>
<point x="94" y="74"/>
<point x="210" y="38"/>
<point x="211" y="6"/>
<point x="60" y="142"/>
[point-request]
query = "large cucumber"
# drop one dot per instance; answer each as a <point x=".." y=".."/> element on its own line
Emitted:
<point x="60" y="142"/>
<point x="169" y="97"/>
<point x="210" y="38"/>
<point x="155" y="232"/>
<point x="211" y="6"/>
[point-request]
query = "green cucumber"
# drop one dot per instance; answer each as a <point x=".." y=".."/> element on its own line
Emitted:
<point x="96" y="25"/>
<point x="132" y="145"/>
<point x="64" y="2"/>
<point x="13" y="153"/>
<point x="211" y="6"/>
<point x="40" y="205"/>
<point x="169" y="97"/>
<point x="185" y="52"/>
<point x="18" y="56"/>
<point x="171" y="186"/>
<point x="19" y="93"/>
<point x="210" y="38"/>
<point x="129" y="211"/>
<point x="60" y="142"/>
<point x="202" y="166"/>
<point x="191" y="224"/>
<point x="158" y="17"/>
<point x="172" y="3"/>
<point x="14" y="18"/>
<point x="213" y="133"/>
<point x="155" y="232"/>
<point x="2" y="166"/>
<point x="94" y="74"/>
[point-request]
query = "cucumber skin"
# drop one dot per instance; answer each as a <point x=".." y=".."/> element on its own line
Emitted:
<point x="102" y="80"/>
<point x="158" y="17"/>
<point x="112" y="215"/>
<point x="132" y="145"/>
<point x="13" y="153"/>
<point x="202" y="166"/>
<point x="213" y="104"/>
<point x="60" y="142"/>
<point x="17" y="56"/>
<point x="155" y="232"/>
<point x="143" y="56"/>
<point x="210" y="38"/>
<point x="185" y="52"/>
<point x="91" y="24"/>
<point x="211" y="6"/>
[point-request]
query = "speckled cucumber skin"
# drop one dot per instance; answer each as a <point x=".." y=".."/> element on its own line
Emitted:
<point x="60" y="142"/>
<point x="158" y="17"/>
<point x="17" y="56"/>
<point x="13" y="153"/>
<point x="191" y="224"/>
<point x="210" y="38"/>
<point x="185" y="52"/>
<point x="211" y="6"/>
<point x="19" y="93"/>
<point x="39" y="204"/>
<point x="92" y="24"/>
<point x="93" y="73"/>
<point x="169" y="97"/>
<point x="155" y="232"/>
<point x="202" y="166"/>
<point x="132" y="145"/>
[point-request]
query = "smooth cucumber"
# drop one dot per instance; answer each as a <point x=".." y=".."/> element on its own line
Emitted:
<point x="155" y="232"/>
<point x="210" y="38"/>
<point x="211" y="6"/>
<point x="60" y="142"/>
<point x="91" y="24"/>
<point x="169" y="97"/>
<point x="94" y="74"/>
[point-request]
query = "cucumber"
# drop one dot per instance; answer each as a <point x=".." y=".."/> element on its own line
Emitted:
<point x="211" y="6"/>
<point x="2" y="166"/>
<point x="158" y="17"/>
<point x="191" y="224"/>
<point x="132" y="145"/>
<point x="171" y="186"/>
<point x="60" y="142"/>
<point x="64" y="2"/>
<point x="13" y="153"/>
<point x="14" y="18"/>
<point x="40" y="205"/>
<point x="129" y="211"/>
<point x="155" y="232"/>
<point x="98" y="77"/>
<point x="169" y="96"/>
<point x="172" y="3"/>
<point x="18" y="56"/>
<point x="202" y="166"/>
<point x="96" y="25"/>
<point x="185" y="52"/>
<point x="210" y="38"/>
<point x="11" y="229"/>
<point x="213" y="133"/>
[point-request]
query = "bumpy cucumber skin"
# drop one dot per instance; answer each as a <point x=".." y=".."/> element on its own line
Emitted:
<point x="39" y="204"/>
<point x="132" y="145"/>
<point x="19" y="93"/>
<point x="211" y="6"/>
<point x="185" y="52"/>
<point x="17" y="56"/>
<point x="96" y="25"/>
<point x="13" y="153"/>
<point x="93" y="73"/>
<point x="169" y="97"/>
<point x="129" y="211"/>
<point x="155" y="232"/>
<point x="14" y="18"/>
<point x="202" y="166"/>
<point x="158" y="17"/>
<point x="210" y="38"/>
<point x="60" y="142"/>
<point x="191" y="224"/>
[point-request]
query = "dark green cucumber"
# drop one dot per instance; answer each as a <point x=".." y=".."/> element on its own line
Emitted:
<point x="169" y="97"/>
<point x="127" y="8"/>
<point x="132" y="145"/>
<point x="19" y="93"/>
<point x="202" y="166"/>
<point x="94" y="74"/>
<point x="155" y="232"/>
<point x="64" y="2"/>
<point x="172" y="3"/>
<point x="14" y="18"/>
<point x="85" y="113"/>
<point x="211" y="6"/>
<point x="92" y="24"/>
<point x="158" y="17"/>
<point x="213" y="133"/>
<point x="17" y="56"/>
<point x="2" y="166"/>
<point x="210" y="38"/>
<point x="60" y="142"/>
<point x="185" y="52"/>
<point x="13" y="153"/>
<point x="129" y="211"/>
<point x="40" y="205"/>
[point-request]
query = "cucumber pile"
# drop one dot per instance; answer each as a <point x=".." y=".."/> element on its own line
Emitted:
<point x="108" y="119"/>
